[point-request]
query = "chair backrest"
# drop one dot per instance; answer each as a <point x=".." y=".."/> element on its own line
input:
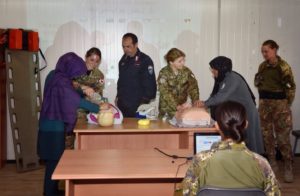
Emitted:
<point x="213" y="191"/>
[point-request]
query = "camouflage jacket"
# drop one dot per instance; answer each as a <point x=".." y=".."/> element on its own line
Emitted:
<point x="94" y="80"/>
<point x="230" y="165"/>
<point x="286" y="81"/>
<point x="174" y="89"/>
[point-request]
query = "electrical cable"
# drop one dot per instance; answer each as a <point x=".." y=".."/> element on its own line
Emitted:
<point x="177" y="171"/>
<point x="173" y="156"/>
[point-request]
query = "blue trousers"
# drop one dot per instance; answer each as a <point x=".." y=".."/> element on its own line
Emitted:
<point x="50" y="186"/>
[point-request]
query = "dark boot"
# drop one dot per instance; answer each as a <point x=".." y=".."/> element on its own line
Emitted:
<point x="288" y="172"/>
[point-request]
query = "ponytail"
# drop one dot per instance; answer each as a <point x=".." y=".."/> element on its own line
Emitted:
<point x="231" y="118"/>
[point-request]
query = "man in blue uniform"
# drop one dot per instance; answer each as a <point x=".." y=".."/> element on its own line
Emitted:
<point x="136" y="84"/>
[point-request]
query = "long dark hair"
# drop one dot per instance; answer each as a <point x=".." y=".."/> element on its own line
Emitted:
<point x="232" y="119"/>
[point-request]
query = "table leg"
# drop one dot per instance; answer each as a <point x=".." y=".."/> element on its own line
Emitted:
<point x="184" y="140"/>
<point x="69" y="188"/>
<point x="78" y="141"/>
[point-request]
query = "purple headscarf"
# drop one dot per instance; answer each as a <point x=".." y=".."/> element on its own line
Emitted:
<point x="61" y="101"/>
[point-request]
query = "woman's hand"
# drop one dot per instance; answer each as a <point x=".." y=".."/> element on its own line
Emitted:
<point x="104" y="106"/>
<point x="183" y="106"/>
<point x="87" y="90"/>
<point x="199" y="104"/>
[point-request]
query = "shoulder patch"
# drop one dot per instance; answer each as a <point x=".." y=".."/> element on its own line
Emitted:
<point x="150" y="69"/>
<point x="162" y="80"/>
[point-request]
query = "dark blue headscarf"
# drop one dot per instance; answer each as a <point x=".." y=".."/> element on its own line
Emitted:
<point x="61" y="101"/>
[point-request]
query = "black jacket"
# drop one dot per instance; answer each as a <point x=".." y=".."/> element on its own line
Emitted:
<point x="137" y="83"/>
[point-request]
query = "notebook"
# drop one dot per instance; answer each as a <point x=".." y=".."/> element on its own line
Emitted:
<point x="204" y="141"/>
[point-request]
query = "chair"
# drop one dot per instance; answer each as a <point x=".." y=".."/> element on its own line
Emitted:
<point x="295" y="133"/>
<point x="213" y="191"/>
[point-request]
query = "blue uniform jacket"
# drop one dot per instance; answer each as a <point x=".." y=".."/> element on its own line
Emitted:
<point x="137" y="83"/>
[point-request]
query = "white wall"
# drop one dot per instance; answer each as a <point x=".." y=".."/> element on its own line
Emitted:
<point x="191" y="25"/>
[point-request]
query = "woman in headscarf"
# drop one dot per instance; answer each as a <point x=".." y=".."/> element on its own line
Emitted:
<point x="59" y="113"/>
<point x="231" y="86"/>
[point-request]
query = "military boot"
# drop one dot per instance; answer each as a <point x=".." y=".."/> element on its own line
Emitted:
<point x="288" y="172"/>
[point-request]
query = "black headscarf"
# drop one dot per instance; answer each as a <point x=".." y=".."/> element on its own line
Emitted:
<point x="223" y="65"/>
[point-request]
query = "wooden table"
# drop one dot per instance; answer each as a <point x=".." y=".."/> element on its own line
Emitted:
<point x="130" y="135"/>
<point x="120" y="172"/>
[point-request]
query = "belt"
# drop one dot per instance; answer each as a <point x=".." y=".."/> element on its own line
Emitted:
<point x="271" y="95"/>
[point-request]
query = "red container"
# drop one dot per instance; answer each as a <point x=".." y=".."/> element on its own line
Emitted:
<point x="33" y="41"/>
<point x="15" y="39"/>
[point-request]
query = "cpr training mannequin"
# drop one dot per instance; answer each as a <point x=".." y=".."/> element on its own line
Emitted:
<point x="189" y="116"/>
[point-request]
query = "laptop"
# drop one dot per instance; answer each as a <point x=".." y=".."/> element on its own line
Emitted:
<point x="204" y="141"/>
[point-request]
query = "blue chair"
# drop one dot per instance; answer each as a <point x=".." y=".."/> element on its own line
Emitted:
<point x="214" y="191"/>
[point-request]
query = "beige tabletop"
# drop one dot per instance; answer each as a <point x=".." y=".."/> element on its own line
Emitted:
<point x="131" y="125"/>
<point x="120" y="164"/>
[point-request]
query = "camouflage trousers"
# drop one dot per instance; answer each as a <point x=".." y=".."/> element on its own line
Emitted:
<point x="81" y="114"/>
<point x="69" y="141"/>
<point x="276" y="120"/>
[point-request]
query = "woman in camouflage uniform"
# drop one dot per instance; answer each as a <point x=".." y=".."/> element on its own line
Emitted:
<point x="276" y="88"/>
<point x="93" y="82"/>
<point x="175" y="83"/>
<point x="88" y="84"/>
<point x="229" y="163"/>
